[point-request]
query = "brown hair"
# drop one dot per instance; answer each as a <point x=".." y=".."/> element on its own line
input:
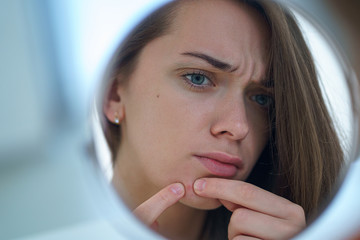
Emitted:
<point x="308" y="148"/>
<point x="303" y="158"/>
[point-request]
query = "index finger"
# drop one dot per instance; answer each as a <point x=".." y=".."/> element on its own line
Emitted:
<point x="152" y="208"/>
<point x="244" y="194"/>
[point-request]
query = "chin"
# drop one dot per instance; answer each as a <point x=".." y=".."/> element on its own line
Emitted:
<point x="192" y="200"/>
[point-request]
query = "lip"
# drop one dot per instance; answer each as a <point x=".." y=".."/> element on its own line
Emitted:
<point x="220" y="164"/>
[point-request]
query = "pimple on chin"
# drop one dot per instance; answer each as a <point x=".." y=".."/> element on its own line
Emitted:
<point x="189" y="188"/>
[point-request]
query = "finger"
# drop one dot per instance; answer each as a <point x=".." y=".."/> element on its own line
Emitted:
<point x="155" y="226"/>
<point x="152" y="208"/>
<point x="251" y="223"/>
<point x="229" y="205"/>
<point x="249" y="196"/>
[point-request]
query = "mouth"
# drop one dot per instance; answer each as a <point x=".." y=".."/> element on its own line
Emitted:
<point x="220" y="164"/>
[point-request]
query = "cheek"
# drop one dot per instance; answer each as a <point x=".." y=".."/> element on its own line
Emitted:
<point x="168" y="118"/>
<point x="258" y="138"/>
<point x="159" y="123"/>
<point x="259" y="125"/>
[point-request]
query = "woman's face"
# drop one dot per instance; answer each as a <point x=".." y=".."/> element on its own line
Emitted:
<point x="196" y="104"/>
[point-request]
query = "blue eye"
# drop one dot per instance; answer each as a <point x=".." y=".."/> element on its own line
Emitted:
<point x="197" y="79"/>
<point x="262" y="100"/>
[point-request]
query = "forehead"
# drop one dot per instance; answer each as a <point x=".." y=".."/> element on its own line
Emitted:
<point x="233" y="32"/>
<point x="222" y="25"/>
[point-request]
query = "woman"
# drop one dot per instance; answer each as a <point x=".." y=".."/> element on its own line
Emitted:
<point x="217" y="124"/>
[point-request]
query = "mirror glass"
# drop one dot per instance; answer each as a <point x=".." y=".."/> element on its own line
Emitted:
<point x="235" y="99"/>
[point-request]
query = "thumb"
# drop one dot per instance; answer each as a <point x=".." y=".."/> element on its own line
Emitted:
<point x="152" y="208"/>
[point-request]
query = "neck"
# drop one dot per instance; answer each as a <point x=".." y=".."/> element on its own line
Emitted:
<point x="177" y="222"/>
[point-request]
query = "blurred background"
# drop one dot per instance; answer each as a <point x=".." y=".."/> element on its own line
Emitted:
<point x="53" y="55"/>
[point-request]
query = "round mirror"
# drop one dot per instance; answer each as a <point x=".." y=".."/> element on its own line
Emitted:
<point x="224" y="119"/>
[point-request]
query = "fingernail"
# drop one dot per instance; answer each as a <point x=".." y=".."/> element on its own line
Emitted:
<point x="177" y="188"/>
<point x="199" y="185"/>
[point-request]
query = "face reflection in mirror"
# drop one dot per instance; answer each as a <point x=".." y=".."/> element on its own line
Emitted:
<point x="217" y="124"/>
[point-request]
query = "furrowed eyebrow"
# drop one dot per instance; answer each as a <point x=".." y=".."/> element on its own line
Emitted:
<point x="212" y="61"/>
<point x="263" y="83"/>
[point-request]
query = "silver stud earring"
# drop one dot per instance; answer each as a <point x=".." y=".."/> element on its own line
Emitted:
<point x="116" y="120"/>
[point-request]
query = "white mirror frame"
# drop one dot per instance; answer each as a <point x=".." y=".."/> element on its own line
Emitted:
<point x="90" y="208"/>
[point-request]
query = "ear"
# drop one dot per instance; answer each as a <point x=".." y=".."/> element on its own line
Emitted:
<point x="114" y="108"/>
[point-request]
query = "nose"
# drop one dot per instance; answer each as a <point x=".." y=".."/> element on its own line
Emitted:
<point x="230" y="120"/>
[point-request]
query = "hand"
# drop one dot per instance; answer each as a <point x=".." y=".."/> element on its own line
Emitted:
<point x="152" y="208"/>
<point x="257" y="214"/>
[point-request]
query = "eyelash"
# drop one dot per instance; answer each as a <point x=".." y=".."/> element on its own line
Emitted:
<point x="197" y="87"/>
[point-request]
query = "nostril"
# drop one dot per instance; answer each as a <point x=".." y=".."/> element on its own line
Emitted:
<point x="226" y="132"/>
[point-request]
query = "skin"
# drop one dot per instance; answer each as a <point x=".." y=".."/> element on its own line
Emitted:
<point x="166" y="119"/>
